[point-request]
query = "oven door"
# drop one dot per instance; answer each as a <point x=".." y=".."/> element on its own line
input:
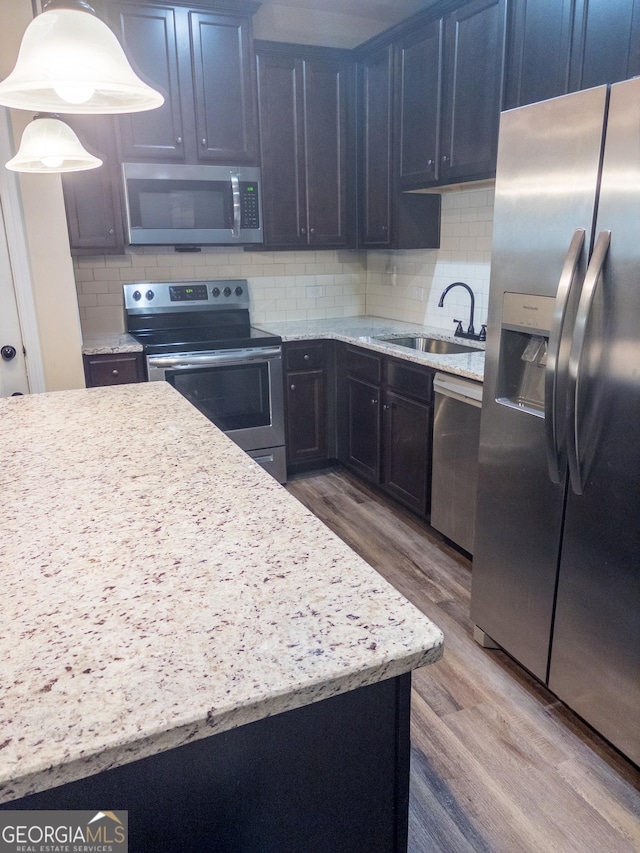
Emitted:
<point x="239" y="390"/>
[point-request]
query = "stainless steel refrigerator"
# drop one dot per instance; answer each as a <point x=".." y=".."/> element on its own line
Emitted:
<point x="556" y="568"/>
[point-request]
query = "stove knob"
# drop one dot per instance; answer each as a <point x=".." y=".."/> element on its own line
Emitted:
<point x="227" y="291"/>
<point x="215" y="292"/>
<point x="137" y="295"/>
<point x="238" y="291"/>
<point x="149" y="294"/>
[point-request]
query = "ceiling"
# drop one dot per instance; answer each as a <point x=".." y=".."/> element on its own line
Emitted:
<point x="334" y="23"/>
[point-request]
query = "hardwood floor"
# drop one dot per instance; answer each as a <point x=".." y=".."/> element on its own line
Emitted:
<point x="498" y="763"/>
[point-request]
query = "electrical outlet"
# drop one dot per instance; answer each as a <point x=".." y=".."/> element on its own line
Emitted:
<point x="416" y="293"/>
<point x="314" y="292"/>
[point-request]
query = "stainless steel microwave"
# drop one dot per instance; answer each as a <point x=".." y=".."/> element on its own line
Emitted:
<point x="174" y="204"/>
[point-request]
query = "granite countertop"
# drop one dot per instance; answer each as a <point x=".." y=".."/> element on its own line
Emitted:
<point x="362" y="331"/>
<point x="354" y="330"/>
<point x="159" y="587"/>
<point x="110" y="344"/>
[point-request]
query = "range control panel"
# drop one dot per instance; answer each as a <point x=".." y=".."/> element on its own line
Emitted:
<point x="151" y="296"/>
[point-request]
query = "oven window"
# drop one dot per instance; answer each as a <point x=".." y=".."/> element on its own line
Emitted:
<point x="233" y="396"/>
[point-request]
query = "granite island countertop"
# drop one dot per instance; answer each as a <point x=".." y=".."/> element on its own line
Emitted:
<point x="355" y="330"/>
<point x="160" y="587"/>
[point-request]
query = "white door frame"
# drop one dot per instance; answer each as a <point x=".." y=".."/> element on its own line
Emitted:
<point x="19" y="257"/>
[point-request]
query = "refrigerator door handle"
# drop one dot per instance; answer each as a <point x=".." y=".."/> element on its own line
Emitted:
<point x="592" y="277"/>
<point x="556" y="370"/>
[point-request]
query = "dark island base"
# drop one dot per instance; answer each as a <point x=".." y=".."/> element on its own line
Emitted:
<point x="332" y="777"/>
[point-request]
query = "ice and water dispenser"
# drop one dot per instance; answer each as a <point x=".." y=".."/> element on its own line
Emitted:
<point x="524" y="341"/>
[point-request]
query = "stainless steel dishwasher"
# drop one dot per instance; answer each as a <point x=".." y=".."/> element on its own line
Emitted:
<point x="456" y="438"/>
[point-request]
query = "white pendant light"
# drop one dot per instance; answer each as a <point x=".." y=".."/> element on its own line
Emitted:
<point x="50" y="145"/>
<point x="71" y="62"/>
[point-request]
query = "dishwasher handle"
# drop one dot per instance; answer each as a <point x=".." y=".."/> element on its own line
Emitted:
<point x="463" y="390"/>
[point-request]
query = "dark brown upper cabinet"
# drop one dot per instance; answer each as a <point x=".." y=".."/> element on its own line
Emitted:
<point x="419" y="92"/>
<point x="202" y="62"/>
<point x="473" y="80"/>
<point x="376" y="154"/>
<point x="606" y="42"/>
<point x="388" y="219"/>
<point x="539" y="51"/>
<point x="450" y="78"/>
<point x="92" y="198"/>
<point x="303" y="99"/>
<point x="559" y="46"/>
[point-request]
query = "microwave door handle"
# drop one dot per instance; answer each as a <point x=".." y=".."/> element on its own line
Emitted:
<point x="235" y="195"/>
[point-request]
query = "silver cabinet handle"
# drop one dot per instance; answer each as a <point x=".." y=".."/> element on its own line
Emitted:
<point x="374" y="401"/>
<point x="115" y="372"/>
<point x="556" y="372"/>
<point x="591" y="279"/>
<point x="305" y="357"/>
<point x="179" y="140"/>
<point x="203" y="142"/>
<point x="293" y="387"/>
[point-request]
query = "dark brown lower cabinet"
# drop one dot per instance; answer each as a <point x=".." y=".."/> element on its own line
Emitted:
<point x="307" y="410"/>
<point x="407" y="450"/>
<point x="363" y="443"/>
<point x="113" y="369"/>
<point x="386" y="424"/>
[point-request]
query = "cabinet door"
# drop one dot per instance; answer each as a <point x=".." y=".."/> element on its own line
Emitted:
<point x="225" y="109"/>
<point x="282" y="147"/>
<point x="376" y="152"/>
<point x="325" y="142"/>
<point x="539" y="51"/>
<point x="419" y="75"/>
<point x="472" y="91"/>
<point x="150" y="36"/>
<point x="407" y="450"/>
<point x="306" y="416"/>
<point x="92" y="199"/>
<point x="606" y="45"/>
<point x="363" y="428"/>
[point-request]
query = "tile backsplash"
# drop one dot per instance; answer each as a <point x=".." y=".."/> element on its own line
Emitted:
<point x="402" y="285"/>
<point x="407" y="285"/>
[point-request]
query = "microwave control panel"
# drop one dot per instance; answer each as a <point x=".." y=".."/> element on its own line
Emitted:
<point x="249" y="205"/>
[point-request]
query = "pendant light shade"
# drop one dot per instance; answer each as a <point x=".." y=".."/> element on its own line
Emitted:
<point x="71" y="62"/>
<point x="50" y="145"/>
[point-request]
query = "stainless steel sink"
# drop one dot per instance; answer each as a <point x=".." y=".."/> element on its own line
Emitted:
<point x="432" y="345"/>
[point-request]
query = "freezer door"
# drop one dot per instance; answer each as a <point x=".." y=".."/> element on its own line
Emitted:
<point x="546" y="188"/>
<point x="595" y="660"/>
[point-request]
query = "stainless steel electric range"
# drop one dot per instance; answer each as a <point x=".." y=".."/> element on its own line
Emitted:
<point x="197" y="335"/>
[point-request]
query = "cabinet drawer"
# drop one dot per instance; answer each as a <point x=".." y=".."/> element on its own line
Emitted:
<point x="409" y="379"/>
<point x="304" y="356"/>
<point x="113" y="369"/>
<point x="365" y="365"/>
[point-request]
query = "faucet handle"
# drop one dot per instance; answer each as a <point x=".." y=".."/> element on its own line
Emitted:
<point x="459" y="330"/>
<point x="483" y="332"/>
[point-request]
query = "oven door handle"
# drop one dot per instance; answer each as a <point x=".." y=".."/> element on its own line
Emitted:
<point x="183" y="362"/>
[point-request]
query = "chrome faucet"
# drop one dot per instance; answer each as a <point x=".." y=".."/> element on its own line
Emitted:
<point x="459" y="332"/>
